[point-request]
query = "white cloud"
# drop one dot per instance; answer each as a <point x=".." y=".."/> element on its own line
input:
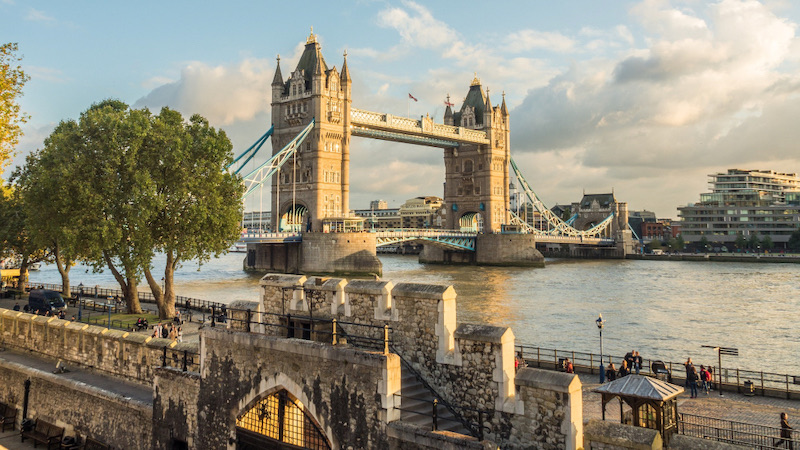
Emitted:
<point x="526" y="40"/>
<point x="223" y="94"/>
<point x="35" y="15"/>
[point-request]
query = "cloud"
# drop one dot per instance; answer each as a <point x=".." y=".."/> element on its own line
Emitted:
<point x="709" y="91"/>
<point x="527" y="40"/>
<point x="417" y="26"/>
<point x="34" y="15"/>
<point x="223" y="94"/>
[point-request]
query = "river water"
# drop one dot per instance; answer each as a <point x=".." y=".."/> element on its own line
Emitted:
<point x="664" y="309"/>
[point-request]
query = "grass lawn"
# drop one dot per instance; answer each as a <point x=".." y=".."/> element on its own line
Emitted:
<point x="126" y="321"/>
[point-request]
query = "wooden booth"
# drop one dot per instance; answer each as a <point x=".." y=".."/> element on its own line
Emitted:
<point x="652" y="403"/>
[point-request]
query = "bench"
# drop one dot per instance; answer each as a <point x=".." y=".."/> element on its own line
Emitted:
<point x="8" y="416"/>
<point x="44" y="433"/>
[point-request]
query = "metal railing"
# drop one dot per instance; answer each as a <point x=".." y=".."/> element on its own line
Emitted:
<point x="739" y="433"/>
<point x="183" y="360"/>
<point x="476" y="429"/>
<point x="733" y="379"/>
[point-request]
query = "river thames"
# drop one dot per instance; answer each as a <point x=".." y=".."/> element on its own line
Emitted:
<point x="664" y="309"/>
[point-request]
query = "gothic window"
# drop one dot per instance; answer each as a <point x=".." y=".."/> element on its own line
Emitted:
<point x="477" y="190"/>
<point x="336" y="148"/>
<point x="468" y="166"/>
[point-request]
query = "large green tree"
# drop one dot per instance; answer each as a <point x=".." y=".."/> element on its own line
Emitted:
<point x="197" y="203"/>
<point x="794" y="241"/>
<point x="12" y="79"/>
<point x="47" y="184"/>
<point x="15" y="236"/>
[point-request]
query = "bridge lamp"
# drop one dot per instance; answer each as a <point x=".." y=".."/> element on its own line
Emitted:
<point x="600" y="322"/>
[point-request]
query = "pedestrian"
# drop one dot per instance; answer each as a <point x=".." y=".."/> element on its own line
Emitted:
<point x="693" y="382"/>
<point x="519" y="361"/>
<point x="786" y="432"/>
<point x="629" y="358"/>
<point x="689" y="366"/>
<point x="623" y="368"/>
<point x="710" y="370"/>
<point x="637" y="361"/>
<point x="173" y="333"/>
<point x="180" y="334"/>
<point x="16" y="306"/>
<point x="611" y="372"/>
<point x="568" y="366"/>
<point x="164" y="332"/>
<point x="705" y="379"/>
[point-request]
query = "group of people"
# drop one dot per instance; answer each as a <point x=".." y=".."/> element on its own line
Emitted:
<point x="695" y="378"/>
<point x="631" y="363"/>
<point x="172" y="331"/>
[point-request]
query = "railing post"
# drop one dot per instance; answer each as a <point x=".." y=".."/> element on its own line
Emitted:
<point x="164" y="357"/>
<point x="289" y="328"/>
<point x="480" y="425"/>
<point x="334" y="340"/>
<point x="788" y="397"/>
<point x="538" y="357"/>
<point x="386" y="339"/>
<point x="213" y="316"/>
<point x="738" y="385"/>
<point x="435" y="416"/>
<point x="249" y="316"/>
<point x="185" y="355"/>
<point x="591" y="363"/>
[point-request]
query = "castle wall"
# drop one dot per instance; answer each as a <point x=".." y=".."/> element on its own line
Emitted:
<point x="110" y="418"/>
<point x="348" y="253"/>
<point x="128" y="355"/>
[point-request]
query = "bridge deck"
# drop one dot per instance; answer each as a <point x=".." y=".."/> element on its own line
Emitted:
<point x="424" y="131"/>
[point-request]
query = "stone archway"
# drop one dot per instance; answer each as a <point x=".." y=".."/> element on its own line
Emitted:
<point x="279" y="421"/>
<point x="472" y="222"/>
<point x="295" y="218"/>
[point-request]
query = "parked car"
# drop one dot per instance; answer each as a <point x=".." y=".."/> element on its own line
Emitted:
<point x="43" y="300"/>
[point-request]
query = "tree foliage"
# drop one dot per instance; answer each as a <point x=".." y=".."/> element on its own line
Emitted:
<point x="12" y="79"/>
<point x="125" y="184"/>
<point x="794" y="241"/>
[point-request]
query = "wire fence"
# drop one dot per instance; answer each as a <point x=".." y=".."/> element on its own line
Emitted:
<point x="739" y="433"/>
<point x="748" y="382"/>
<point x="184" y="360"/>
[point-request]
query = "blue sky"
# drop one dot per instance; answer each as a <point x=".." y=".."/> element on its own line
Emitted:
<point x="645" y="98"/>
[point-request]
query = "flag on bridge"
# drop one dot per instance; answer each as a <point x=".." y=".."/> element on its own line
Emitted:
<point x="412" y="97"/>
<point x="447" y="103"/>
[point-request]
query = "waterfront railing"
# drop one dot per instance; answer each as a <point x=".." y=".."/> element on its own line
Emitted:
<point x="747" y="382"/>
<point x="738" y="433"/>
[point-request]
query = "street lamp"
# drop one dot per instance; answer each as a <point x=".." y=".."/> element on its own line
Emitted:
<point x="600" y="322"/>
<point x="80" y="301"/>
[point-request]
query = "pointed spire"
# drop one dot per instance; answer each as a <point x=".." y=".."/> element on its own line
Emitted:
<point x="278" y="78"/>
<point x="345" y="76"/>
<point x="503" y="107"/>
<point x="488" y="103"/>
<point x="317" y="66"/>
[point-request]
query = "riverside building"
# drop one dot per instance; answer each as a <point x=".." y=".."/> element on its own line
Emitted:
<point x="750" y="203"/>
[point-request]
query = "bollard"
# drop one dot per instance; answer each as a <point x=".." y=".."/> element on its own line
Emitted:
<point x="25" y="401"/>
<point x="164" y="357"/>
<point x="185" y="355"/>
<point x="334" y="332"/>
<point x="213" y="316"/>
<point x="435" y="415"/>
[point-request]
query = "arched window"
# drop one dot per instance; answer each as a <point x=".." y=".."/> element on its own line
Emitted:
<point x="279" y="419"/>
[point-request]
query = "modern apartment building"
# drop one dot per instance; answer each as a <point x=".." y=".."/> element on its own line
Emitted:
<point x="747" y="202"/>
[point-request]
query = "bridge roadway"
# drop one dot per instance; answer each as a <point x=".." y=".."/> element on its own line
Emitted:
<point x="452" y="239"/>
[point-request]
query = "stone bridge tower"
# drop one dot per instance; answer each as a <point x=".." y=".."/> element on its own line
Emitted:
<point x="476" y="176"/>
<point x="316" y="184"/>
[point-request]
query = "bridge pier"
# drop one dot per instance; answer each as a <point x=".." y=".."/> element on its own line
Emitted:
<point x="517" y="250"/>
<point x="350" y="254"/>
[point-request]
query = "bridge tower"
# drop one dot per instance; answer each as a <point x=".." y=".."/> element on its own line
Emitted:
<point x="315" y="185"/>
<point x="476" y="190"/>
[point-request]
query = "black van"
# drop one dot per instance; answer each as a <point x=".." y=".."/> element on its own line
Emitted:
<point x="43" y="300"/>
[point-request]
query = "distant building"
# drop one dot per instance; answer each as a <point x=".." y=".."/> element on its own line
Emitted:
<point x="380" y="219"/>
<point x="422" y="212"/>
<point x="378" y="204"/>
<point x="744" y="202"/>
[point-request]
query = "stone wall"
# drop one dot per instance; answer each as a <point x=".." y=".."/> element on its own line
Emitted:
<point x="549" y="410"/>
<point x="602" y="435"/>
<point x="350" y="393"/>
<point x="126" y="354"/>
<point x="273" y="257"/>
<point x="175" y="401"/>
<point x="512" y="249"/>
<point x="79" y="408"/>
<point x="345" y="253"/>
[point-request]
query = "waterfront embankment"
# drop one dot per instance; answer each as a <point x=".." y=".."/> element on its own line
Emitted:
<point x="778" y="258"/>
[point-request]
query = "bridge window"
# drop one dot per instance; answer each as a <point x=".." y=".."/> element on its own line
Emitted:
<point x="477" y="190"/>
<point x="468" y="166"/>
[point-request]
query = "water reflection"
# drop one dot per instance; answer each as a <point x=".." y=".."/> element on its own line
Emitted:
<point x="663" y="309"/>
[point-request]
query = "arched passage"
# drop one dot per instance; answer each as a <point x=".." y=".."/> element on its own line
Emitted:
<point x="294" y="219"/>
<point x="279" y="421"/>
<point x="472" y="222"/>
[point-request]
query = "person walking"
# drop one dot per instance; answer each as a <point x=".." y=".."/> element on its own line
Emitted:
<point x="689" y="366"/>
<point x="692" y="378"/>
<point x="623" y="369"/>
<point x="611" y="372"/>
<point x="786" y="432"/>
<point x="705" y="379"/>
<point x="637" y="361"/>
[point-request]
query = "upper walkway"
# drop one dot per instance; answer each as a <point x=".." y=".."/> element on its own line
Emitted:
<point x="422" y="132"/>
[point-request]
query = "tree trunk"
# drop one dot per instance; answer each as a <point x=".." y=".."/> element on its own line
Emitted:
<point x="158" y="294"/>
<point x="164" y="299"/>
<point x="131" y="293"/>
<point x="63" y="269"/>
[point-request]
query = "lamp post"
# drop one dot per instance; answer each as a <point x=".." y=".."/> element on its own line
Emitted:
<point x="600" y="322"/>
<point x="80" y="301"/>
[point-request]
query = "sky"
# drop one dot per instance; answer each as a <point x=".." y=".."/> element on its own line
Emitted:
<point x="645" y="99"/>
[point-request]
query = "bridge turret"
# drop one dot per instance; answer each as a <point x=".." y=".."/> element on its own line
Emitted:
<point x="448" y="112"/>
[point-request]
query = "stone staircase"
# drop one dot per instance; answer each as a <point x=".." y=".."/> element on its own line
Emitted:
<point x="417" y="407"/>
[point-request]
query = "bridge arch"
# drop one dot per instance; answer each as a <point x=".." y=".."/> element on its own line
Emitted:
<point x="471" y="221"/>
<point x="267" y="395"/>
<point x="294" y="217"/>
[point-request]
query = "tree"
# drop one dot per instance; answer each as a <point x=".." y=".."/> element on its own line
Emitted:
<point x="680" y="244"/>
<point x="703" y="244"/>
<point x="15" y="238"/>
<point x="741" y="242"/>
<point x="794" y="240"/>
<point x="752" y="241"/>
<point x="47" y="192"/>
<point x="12" y="79"/>
<point x="197" y="202"/>
<point x="766" y="243"/>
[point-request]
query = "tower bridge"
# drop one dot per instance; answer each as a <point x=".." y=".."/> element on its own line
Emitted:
<point x="313" y="123"/>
